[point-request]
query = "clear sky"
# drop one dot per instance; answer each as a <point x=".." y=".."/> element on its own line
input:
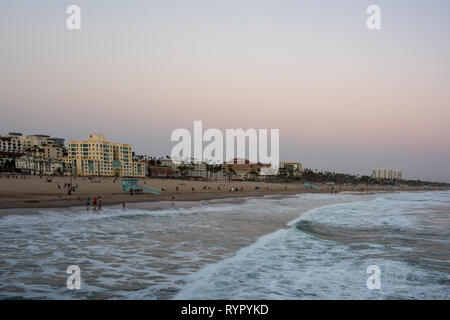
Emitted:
<point x="344" y="98"/>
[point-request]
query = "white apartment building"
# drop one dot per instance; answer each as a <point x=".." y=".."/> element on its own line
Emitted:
<point x="40" y="146"/>
<point x="10" y="145"/>
<point x="41" y="165"/>
<point x="387" y="174"/>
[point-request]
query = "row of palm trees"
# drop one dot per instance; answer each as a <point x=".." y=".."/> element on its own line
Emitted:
<point x="212" y="171"/>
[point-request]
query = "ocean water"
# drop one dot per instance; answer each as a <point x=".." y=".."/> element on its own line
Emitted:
<point x="310" y="246"/>
<point x="326" y="252"/>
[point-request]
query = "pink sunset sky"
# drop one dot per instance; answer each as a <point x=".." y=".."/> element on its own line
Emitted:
<point x="344" y="98"/>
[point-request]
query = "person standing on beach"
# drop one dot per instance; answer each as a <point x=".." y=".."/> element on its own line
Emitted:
<point x="99" y="202"/>
<point x="123" y="205"/>
<point x="87" y="203"/>
<point x="95" y="203"/>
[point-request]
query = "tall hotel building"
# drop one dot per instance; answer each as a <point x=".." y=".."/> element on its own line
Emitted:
<point x="98" y="157"/>
<point x="387" y="174"/>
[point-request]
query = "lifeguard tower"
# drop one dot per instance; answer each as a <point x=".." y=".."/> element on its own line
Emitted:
<point x="131" y="184"/>
<point x="311" y="186"/>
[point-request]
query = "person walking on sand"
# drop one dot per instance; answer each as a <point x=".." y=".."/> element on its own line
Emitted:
<point x="88" y="201"/>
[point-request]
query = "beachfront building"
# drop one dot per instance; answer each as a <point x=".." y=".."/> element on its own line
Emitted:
<point x="10" y="149"/>
<point x="38" y="145"/>
<point x="290" y="168"/>
<point x="10" y="144"/>
<point x="33" y="165"/>
<point x="215" y="172"/>
<point x="139" y="169"/>
<point x="197" y="170"/>
<point x="243" y="168"/>
<point x="160" y="171"/>
<point x="387" y="174"/>
<point x="98" y="157"/>
<point x="32" y="154"/>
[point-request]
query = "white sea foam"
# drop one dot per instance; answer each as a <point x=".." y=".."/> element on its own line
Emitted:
<point x="293" y="264"/>
<point x="191" y="252"/>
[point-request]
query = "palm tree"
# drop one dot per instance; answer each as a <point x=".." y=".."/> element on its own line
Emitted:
<point x="183" y="170"/>
<point x="209" y="170"/>
<point x="230" y="172"/>
<point x="212" y="170"/>
<point x="34" y="150"/>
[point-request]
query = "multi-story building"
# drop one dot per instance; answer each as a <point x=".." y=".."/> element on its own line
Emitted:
<point x="99" y="157"/>
<point x="27" y="164"/>
<point x="139" y="169"/>
<point x="243" y="167"/>
<point x="11" y="145"/>
<point x="197" y="170"/>
<point x="387" y="174"/>
<point x="290" y="168"/>
<point x="160" y="171"/>
<point x="38" y="145"/>
<point x="33" y="153"/>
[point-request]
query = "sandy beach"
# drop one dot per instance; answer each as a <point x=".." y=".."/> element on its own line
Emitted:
<point x="37" y="192"/>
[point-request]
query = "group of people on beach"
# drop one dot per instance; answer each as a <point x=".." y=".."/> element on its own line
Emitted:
<point x="97" y="200"/>
<point x="69" y="186"/>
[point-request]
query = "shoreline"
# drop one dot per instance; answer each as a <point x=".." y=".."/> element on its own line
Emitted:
<point x="19" y="194"/>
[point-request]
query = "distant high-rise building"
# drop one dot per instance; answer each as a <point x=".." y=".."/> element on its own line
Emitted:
<point x="387" y="174"/>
